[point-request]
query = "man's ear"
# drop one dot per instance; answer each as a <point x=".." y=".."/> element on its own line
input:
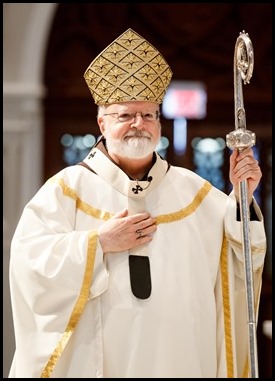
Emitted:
<point x="100" y="122"/>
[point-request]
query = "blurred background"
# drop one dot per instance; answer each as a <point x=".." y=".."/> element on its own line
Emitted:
<point x="49" y="118"/>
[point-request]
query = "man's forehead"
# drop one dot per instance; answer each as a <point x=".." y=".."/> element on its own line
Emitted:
<point x="134" y="105"/>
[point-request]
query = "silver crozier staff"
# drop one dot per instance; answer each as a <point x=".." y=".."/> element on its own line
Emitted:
<point x="241" y="138"/>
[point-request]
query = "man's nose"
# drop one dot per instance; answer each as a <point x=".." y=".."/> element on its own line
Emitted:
<point x="138" y="121"/>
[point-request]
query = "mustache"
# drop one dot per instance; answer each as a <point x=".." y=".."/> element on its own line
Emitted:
<point x="138" y="134"/>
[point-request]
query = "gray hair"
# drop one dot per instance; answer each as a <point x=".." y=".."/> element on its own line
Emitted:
<point x="101" y="110"/>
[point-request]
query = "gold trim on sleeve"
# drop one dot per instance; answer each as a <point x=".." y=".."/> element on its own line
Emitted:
<point x="226" y="309"/>
<point x="77" y="310"/>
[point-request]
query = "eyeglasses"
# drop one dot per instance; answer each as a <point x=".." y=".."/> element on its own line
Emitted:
<point x="130" y="116"/>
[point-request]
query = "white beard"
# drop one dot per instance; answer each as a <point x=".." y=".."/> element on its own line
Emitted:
<point x="134" y="146"/>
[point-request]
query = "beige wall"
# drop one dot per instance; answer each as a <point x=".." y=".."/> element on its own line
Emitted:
<point x="25" y="33"/>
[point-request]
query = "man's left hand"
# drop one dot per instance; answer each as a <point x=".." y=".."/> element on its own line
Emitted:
<point x="243" y="166"/>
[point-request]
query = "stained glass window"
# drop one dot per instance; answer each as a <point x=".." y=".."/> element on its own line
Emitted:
<point x="208" y="159"/>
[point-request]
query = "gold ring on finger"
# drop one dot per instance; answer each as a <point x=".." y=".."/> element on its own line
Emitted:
<point x="139" y="233"/>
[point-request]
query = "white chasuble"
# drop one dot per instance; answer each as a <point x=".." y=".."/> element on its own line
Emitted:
<point x="75" y="313"/>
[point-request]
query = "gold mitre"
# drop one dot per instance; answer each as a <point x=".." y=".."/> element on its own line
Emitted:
<point x="129" y="69"/>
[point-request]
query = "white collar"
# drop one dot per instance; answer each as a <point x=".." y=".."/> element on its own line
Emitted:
<point x="113" y="175"/>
